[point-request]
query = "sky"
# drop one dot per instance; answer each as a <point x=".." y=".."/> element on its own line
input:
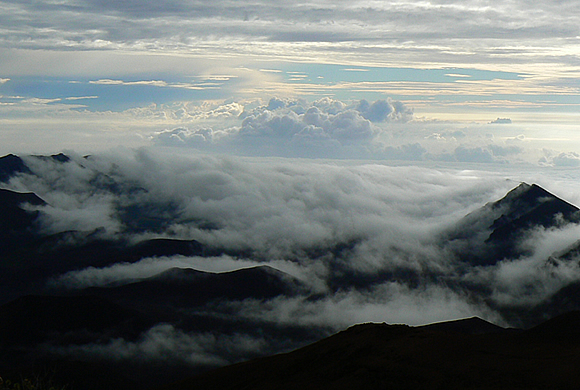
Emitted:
<point x="89" y="75"/>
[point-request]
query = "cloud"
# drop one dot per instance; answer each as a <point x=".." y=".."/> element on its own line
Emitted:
<point x="123" y="273"/>
<point x="335" y="225"/>
<point x="533" y="278"/>
<point x="323" y="128"/>
<point x="502" y="121"/>
<point x="570" y="159"/>
<point x="383" y="110"/>
<point x="168" y="38"/>
<point x="166" y="344"/>
<point x="390" y="302"/>
<point x="160" y="83"/>
<point x="96" y="25"/>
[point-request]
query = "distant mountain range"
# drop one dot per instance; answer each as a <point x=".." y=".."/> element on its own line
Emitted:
<point x="92" y="335"/>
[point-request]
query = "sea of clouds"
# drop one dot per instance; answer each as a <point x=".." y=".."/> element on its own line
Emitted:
<point x="320" y="191"/>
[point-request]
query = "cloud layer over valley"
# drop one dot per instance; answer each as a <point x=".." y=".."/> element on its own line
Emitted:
<point x="356" y="241"/>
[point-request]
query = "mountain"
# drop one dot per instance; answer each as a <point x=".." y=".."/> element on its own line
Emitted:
<point x="11" y="165"/>
<point x="381" y="356"/>
<point x="17" y="225"/>
<point x="171" y="294"/>
<point x="492" y="233"/>
<point x="62" y="320"/>
<point x="147" y="313"/>
<point x="529" y="206"/>
<point x="473" y="325"/>
<point x="56" y="310"/>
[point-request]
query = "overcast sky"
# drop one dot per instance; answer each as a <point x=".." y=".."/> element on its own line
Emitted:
<point x="95" y="73"/>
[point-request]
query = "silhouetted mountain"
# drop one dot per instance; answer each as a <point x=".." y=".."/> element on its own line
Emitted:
<point x="380" y="356"/>
<point x="530" y="206"/>
<point x="79" y="319"/>
<point x="11" y="165"/>
<point x="491" y="233"/>
<point x="473" y="325"/>
<point x="16" y="224"/>
<point x="171" y="293"/>
<point x="60" y="157"/>
<point x="33" y="326"/>
<point x="564" y="328"/>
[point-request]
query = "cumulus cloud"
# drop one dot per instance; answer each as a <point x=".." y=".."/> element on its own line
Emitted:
<point x="329" y="128"/>
<point x="570" y="159"/>
<point x="323" y="128"/>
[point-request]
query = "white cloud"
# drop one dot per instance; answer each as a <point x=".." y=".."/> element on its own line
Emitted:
<point x="320" y="221"/>
<point x="389" y="302"/>
<point x="323" y="128"/>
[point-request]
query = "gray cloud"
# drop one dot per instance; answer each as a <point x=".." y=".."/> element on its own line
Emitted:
<point x="139" y="25"/>
<point x="168" y="345"/>
<point x="320" y="221"/>
<point x="390" y="302"/>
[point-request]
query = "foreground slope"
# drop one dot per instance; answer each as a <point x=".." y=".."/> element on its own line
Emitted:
<point x="453" y="355"/>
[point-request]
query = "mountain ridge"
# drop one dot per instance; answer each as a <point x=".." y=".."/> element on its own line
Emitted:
<point x="381" y="356"/>
<point x="493" y="231"/>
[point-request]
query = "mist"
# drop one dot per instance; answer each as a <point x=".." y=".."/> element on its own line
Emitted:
<point x="367" y="241"/>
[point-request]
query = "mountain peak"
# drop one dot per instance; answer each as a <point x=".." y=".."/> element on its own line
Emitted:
<point x="527" y="206"/>
<point x="493" y="231"/>
<point x="526" y="194"/>
<point x="10" y="165"/>
<point x="472" y="325"/>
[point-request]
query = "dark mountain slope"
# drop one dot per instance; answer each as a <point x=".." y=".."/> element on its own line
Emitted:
<point x="14" y="217"/>
<point x="564" y="328"/>
<point x="380" y="356"/>
<point x="33" y="319"/>
<point x="179" y="288"/>
<point x="529" y="206"/>
<point x="16" y="224"/>
<point x="11" y="165"/>
<point x="473" y="325"/>
<point x="492" y="232"/>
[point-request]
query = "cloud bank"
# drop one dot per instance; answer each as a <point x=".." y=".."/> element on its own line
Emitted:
<point x="382" y="130"/>
<point x="324" y="222"/>
<point x="369" y="241"/>
<point x="324" y="128"/>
